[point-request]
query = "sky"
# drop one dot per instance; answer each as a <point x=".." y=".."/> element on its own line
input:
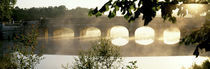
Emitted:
<point x="70" y="4"/>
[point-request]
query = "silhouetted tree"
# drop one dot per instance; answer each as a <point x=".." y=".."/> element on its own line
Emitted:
<point x="205" y="65"/>
<point x="200" y="37"/>
<point x="6" y="7"/>
<point x="132" y="9"/>
<point x="102" y="55"/>
<point x="38" y="13"/>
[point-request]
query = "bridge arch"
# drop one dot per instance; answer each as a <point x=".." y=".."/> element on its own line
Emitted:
<point x="144" y="35"/>
<point x="119" y="35"/>
<point x="91" y="32"/>
<point x="63" y="33"/>
<point x="171" y="35"/>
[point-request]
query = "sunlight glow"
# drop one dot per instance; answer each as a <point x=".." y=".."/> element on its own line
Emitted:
<point x="144" y="35"/>
<point x="64" y="33"/>
<point x="171" y="35"/>
<point x="46" y="35"/>
<point x="119" y="35"/>
<point x="92" y="32"/>
<point x="194" y="8"/>
<point x="144" y="62"/>
<point x="190" y="60"/>
<point x="119" y="41"/>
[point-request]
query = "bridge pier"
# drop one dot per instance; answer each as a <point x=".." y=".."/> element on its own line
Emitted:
<point x="77" y="33"/>
<point x="50" y="33"/>
<point x="104" y="32"/>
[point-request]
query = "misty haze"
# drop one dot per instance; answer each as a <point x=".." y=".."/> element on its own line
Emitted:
<point x="68" y="34"/>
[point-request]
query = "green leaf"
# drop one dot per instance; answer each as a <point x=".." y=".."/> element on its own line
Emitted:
<point x="98" y="14"/>
<point x="172" y="19"/>
<point x="132" y="19"/>
<point x="126" y="16"/>
<point x="90" y="13"/>
<point x="112" y="14"/>
<point x="107" y="7"/>
<point x="116" y="8"/>
<point x="132" y="7"/>
<point x="128" y="67"/>
<point x="154" y="8"/>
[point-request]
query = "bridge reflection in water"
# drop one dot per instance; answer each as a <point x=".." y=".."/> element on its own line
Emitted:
<point x="157" y="39"/>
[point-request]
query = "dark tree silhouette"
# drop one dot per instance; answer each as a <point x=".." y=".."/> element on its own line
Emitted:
<point x="37" y="13"/>
<point x="132" y="9"/>
<point x="6" y="7"/>
<point x="201" y="38"/>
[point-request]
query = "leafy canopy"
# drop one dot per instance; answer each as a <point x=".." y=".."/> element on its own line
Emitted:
<point x="200" y="37"/>
<point x="6" y="7"/>
<point x="132" y="9"/>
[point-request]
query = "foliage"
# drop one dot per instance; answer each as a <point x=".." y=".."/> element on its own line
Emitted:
<point x="6" y="7"/>
<point x="200" y="38"/>
<point x="79" y="12"/>
<point x="26" y="54"/>
<point x="38" y="13"/>
<point x="101" y="56"/>
<point x="5" y="62"/>
<point x="133" y="65"/>
<point x="205" y="65"/>
<point x="25" y="61"/>
<point x="132" y="9"/>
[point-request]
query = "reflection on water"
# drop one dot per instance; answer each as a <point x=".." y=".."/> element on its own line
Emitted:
<point x="171" y="35"/>
<point x="152" y="62"/>
<point x="119" y="35"/>
<point x="144" y="35"/>
<point x="119" y="41"/>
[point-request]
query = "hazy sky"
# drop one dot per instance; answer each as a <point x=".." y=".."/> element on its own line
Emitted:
<point x="70" y="4"/>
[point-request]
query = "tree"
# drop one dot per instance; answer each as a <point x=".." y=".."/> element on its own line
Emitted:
<point x="20" y="14"/>
<point x="25" y="53"/>
<point x="200" y="37"/>
<point x="132" y="9"/>
<point x="205" y="65"/>
<point x="101" y="56"/>
<point x="6" y="7"/>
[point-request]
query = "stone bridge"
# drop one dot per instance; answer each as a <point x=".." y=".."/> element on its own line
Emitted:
<point x="79" y="28"/>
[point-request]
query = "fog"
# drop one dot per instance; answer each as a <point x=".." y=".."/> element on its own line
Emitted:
<point x="75" y="32"/>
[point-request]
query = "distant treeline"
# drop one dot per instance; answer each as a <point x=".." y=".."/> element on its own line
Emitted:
<point x="37" y="13"/>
